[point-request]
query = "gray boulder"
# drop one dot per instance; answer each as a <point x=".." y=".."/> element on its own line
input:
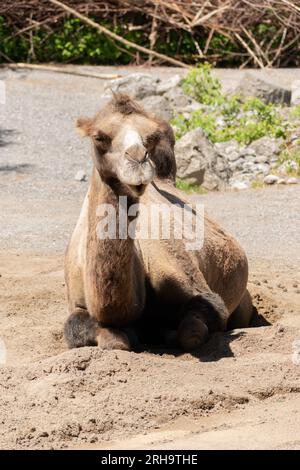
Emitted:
<point x="166" y="85"/>
<point x="262" y="87"/>
<point x="228" y="150"/>
<point x="295" y="100"/>
<point x="271" y="179"/>
<point x="136" y="85"/>
<point x="178" y="99"/>
<point x="158" y="105"/>
<point x="266" y="147"/>
<point x="199" y="163"/>
<point x="292" y="180"/>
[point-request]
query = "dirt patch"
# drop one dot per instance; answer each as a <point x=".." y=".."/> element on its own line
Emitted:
<point x="89" y="397"/>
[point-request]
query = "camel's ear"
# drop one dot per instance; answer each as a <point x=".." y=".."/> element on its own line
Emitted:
<point x="84" y="126"/>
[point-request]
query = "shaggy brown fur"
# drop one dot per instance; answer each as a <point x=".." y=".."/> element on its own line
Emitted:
<point x="153" y="287"/>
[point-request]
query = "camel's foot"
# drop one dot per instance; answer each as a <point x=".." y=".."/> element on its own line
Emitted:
<point x="110" y="338"/>
<point x="80" y="329"/>
<point x="192" y="332"/>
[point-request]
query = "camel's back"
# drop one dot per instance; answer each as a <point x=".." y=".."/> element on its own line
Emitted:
<point x="179" y="267"/>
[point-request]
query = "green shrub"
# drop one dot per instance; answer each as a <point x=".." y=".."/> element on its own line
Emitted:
<point x="72" y="41"/>
<point x="202" y="85"/>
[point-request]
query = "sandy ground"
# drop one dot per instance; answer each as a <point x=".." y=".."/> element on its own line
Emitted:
<point x="240" y="391"/>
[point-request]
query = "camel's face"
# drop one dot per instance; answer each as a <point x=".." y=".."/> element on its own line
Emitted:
<point x="122" y="152"/>
<point x="126" y="141"/>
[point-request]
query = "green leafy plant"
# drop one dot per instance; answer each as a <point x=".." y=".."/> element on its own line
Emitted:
<point x="189" y="188"/>
<point x="290" y="157"/>
<point x="202" y="85"/>
<point x="296" y="111"/>
<point x="71" y="41"/>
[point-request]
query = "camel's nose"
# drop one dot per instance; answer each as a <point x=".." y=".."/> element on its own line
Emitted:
<point x="136" y="152"/>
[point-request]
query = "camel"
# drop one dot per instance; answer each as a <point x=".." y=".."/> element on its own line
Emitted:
<point x="124" y="292"/>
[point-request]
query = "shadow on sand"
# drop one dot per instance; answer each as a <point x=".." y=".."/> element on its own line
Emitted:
<point x="218" y="345"/>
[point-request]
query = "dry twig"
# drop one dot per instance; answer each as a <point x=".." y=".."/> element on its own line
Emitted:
<point x="116" y="37"/>
<point x="63" y="69"/>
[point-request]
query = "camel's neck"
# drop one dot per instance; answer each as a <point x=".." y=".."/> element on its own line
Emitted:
<point x="110" y="261"/>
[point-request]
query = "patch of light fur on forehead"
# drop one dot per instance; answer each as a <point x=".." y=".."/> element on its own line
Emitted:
<point x="131" y="137"/>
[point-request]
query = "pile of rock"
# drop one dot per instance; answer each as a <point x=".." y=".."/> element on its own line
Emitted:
<point x="198" y="160"/>
<point x="252" y="162"/>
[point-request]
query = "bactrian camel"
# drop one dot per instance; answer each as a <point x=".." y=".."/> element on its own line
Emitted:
<point x="125" y="292"/>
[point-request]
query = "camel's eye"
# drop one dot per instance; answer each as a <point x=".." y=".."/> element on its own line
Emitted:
<point x="153" y="139"/>
<point x="104" y="138"/>
<point x="102" y="142"/>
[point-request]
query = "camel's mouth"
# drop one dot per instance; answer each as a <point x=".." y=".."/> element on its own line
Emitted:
<point x="139" y="189"/>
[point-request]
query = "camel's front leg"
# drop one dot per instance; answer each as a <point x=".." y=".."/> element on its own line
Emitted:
<point x="81" y="329"/>
<point x="202" y="315"/>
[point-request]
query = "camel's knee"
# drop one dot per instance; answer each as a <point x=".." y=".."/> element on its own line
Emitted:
<point x="192" y="332"/>
<point x="80" y="329"/>
<point x="203" y="314"/>
<point x="110" y="338"/>
<point x="212" y="309"/>
<point x="241" y="316"/>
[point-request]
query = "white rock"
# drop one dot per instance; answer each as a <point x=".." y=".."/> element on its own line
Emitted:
<point x="271" y="179"/>
<point x="227" y="148"/>
<point x="262" y="168"/>
<point x="240" y="185"/>
<point x="292" y="180"/>
<point x="247" y="151"/>
<point x="295" y="99"/>
<point x="249" y="166"/>
<point x="190" y="108"/>
<point x="166" y="85"/>
<point x="261" y="159"/>
<point x="80" y="176"/>
<point x="281" y="181"/>
<point x="292" y="165"/>
<point x="220" y="122"/>
<point x="236" y="164"/>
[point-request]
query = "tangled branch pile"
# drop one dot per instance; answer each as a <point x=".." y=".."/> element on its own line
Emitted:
<point x="223" y="32"/>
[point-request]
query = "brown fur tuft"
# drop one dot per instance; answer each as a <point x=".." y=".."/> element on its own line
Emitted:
<point x="84" y="126"/>
<point x="125" y="105"/>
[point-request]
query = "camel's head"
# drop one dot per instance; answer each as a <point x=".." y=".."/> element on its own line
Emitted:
<point x="131" y="146"/>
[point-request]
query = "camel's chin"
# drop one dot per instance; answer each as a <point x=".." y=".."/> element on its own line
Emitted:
<point x="137" y="190"/>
